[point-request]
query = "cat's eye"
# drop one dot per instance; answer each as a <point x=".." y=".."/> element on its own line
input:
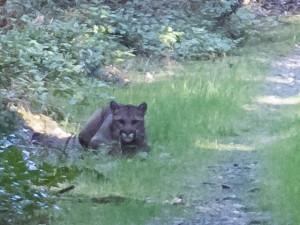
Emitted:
<point x="122" y="122"/>
<point x="134" y="122"/>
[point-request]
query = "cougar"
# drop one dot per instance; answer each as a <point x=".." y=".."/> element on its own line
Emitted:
<point x="64" y="144"/>
<point x="121" y="128"/>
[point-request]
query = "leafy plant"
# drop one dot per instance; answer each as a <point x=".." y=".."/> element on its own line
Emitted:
<point x="57" y="49"/>
<point x="18" y="176"/>
<point x="8" y="120"/>
<point x="16" y="194"/>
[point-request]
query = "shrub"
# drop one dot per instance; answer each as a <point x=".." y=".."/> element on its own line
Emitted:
<point x="54" y="52"/>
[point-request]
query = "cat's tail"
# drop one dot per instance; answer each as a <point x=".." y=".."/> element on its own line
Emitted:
<point x="49" y="141"/>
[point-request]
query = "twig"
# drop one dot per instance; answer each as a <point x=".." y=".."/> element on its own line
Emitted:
<point x="66" y="189"/>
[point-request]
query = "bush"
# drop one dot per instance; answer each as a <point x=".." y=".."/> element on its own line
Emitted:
<point x="24" y="184"/>
<point x="54" y="52"/>
<point x="17" y="196"/>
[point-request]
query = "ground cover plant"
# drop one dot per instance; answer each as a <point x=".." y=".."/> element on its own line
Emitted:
<point x="57" y="65"/>
<point x="280" y="156"/>
<point x="222" y="97"/>
<point x="53" y="47"/>
<point x="196" y="104"/>
<point x="280" y="193"/>
<point x="283" y="179"/>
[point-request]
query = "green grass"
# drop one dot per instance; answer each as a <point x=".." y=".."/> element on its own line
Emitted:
<point x="271" y="41"/>
<point x="200" y="104"/>
<point x="282" y="189"/>
<point x="197" y="105"/>
<point x="281" y="158"/>
<point x="128" y="212"/>
<point x="281" y="192"/>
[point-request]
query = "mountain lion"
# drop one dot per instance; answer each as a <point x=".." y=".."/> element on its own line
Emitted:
<point x="120" y="127"/>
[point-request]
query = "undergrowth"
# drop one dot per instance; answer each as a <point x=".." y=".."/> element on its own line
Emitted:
<point x="197" y="104"/>
<point x="281" y="190"/>
<point x="56" y="44"/>
<point x="280" y="194"/>
<point x="200" y="102"/>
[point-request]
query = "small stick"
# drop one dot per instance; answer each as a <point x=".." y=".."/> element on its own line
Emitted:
<point x="66" y="189"/>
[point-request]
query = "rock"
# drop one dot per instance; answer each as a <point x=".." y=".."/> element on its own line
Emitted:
<point x="225" y="186"/>
<point x="178" y="201"/>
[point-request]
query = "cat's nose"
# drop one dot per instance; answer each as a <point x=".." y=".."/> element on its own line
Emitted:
<point x="127" y="136"/>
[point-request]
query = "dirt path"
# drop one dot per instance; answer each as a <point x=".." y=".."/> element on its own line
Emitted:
<point x="233" y="182"/>
<point x="233" y="187"/>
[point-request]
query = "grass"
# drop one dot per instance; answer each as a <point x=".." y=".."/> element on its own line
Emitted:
<point x="281" y="192"/>
<point x="198" y="104"/>
<point x="283" y="179"/>
<point x="281" y="158"/>
<point x="201" y="104"/>
<point x="128" y="212"/>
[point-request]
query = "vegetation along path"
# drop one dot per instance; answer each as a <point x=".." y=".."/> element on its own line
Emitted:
<point x="234" y="181"/>
<point x="223" y="121"/>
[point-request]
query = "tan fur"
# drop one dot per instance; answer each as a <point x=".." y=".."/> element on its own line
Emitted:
<point x="93" y="125"/>
<point x="61" y="143"/>
<point x="116" y="128"/>
<point x="122" y="126"/>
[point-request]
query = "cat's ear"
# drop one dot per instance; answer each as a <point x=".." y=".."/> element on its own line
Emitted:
<point x="143" y="107"/>
<point x="114" y="105"/>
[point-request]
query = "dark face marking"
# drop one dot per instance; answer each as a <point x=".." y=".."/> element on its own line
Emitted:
<point x="128" y="121"/>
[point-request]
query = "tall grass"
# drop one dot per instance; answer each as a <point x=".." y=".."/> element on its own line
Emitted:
<point x="199" y="103"/>
<point x="281" y="192"/>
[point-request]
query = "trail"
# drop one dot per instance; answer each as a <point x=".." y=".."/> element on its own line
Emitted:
<point x="233" y="180"/>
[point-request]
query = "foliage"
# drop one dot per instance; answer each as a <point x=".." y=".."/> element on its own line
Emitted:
<point x="141" y="24"/>
<point x="46" y="62"/>
<point x="43" y="60"/>
<point x="190" y="106"/>
<point x="17" y="197"/>
<point x="279" y="157"/>
<point x="283" y="180"/>
<point x="8" y="120"/>
<point x="53" y="51"/>
<point x="18" y="176"/>
<point x="199" y="105"/>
